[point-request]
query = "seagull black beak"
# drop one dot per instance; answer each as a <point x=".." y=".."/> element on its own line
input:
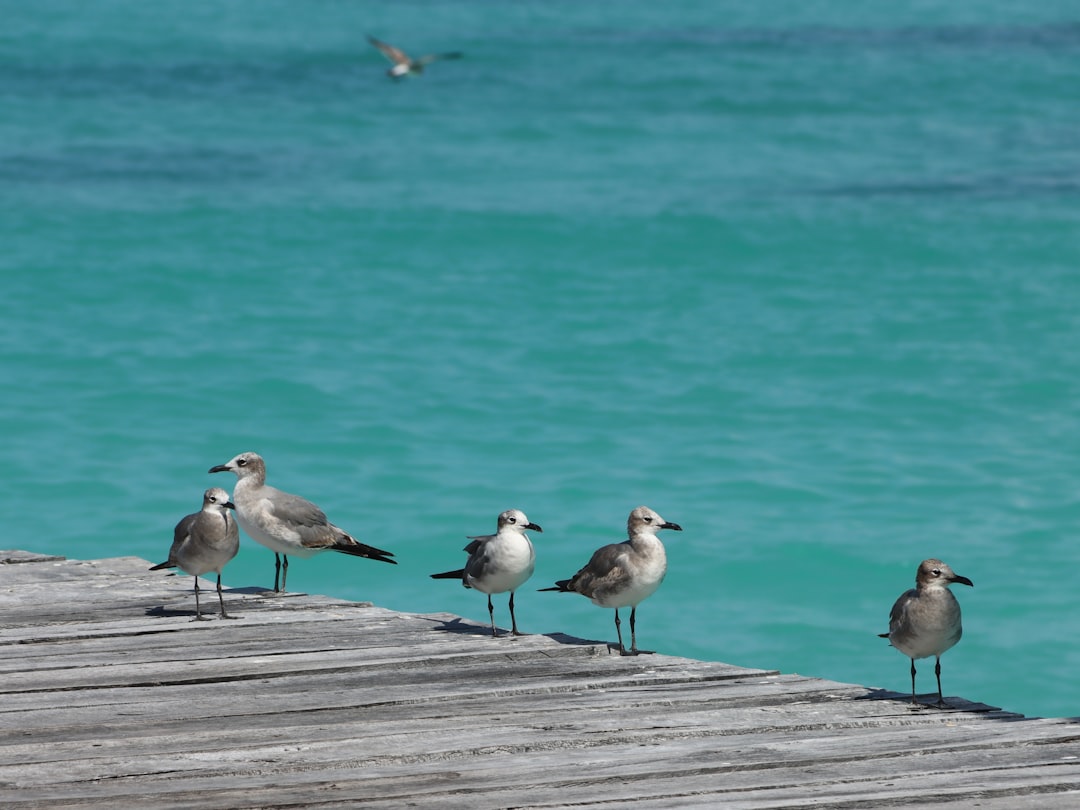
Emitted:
<point x="962" y="580"/>
<point x="229" y="505"/>
<point x="674" y="526"/>
<point x="219" y="468"/>
<point x="534" y="527"/>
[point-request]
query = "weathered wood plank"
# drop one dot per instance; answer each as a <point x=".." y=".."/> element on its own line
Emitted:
<point x="315" y="702"/>
<point x="624" y="773"/>
<point x="14" y="556"/>
<point x="410" y="739"/>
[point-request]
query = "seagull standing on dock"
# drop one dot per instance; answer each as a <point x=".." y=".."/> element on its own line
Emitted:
<point x="925" y="620"/>
<point x="285" y="523"/>
<point x="499" y="562"/>
<point x="404" y="65"/>
<point x="625" y="574"/>
<point x="204" y="542"/>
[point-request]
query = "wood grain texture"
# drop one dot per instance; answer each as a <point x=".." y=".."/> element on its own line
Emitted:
<point x="112" y="697"/>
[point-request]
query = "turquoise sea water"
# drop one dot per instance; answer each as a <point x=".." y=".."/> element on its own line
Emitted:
<point x="803" y="277"/>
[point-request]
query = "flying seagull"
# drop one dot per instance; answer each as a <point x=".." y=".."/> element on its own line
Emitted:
<point x="405" y="65"/>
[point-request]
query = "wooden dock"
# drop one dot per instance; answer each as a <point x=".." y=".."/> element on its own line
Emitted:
<point x="113" y="698"/>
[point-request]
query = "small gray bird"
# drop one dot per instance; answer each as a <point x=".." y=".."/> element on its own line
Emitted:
<point x="405" y="65"/>
<point x="285" y="523"/>
<point x="499" y="562"/>
<point x="205" y="542"/>
<point x="925" y="620"/>
<point x="625" y="574"/>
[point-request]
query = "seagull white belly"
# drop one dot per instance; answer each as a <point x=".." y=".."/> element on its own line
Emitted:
<point x="198" y="562"/>
<point x="640" y="581"/>
<point x="508" y="566"/>
<point x="930" y="626"/>
<point x="267" y="531"/>
<point x="630" y="596"/>
<point x="928" y="642"/>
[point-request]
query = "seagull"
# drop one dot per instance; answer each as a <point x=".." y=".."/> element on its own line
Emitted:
<point x="405" y="65"/>
<point x="285" y="523"/>
<point x="204" y="542"/>
<point x="499" y="562"/>
<point x="925" y="620"/>
<point x="625" y="574"/>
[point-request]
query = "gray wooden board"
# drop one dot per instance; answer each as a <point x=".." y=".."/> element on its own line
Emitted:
<point x="111" y="696"/>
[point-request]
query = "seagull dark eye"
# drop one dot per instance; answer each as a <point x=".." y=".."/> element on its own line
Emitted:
<point x="513" y="519"/>
<point x="241" y="462"/>
<point x="937" y="572"/>
<point x="648" y="519"/>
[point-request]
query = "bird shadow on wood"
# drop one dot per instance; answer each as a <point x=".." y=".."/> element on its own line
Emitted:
<point x="574" y="641"/>
<point x="883" y="694"/>
<point x="927" y="702"/>
<point x="256" y="590"/>
<point x="162" y="612"/>
<point x="463" y="627"/>
<point x="459" y="626"/>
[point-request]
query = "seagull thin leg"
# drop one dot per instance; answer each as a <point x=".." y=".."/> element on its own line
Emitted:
<point x="940" y="697"/>
<point x="913" y="700"/>
<point x="198" y="610"/>
<point x="491" y="614"/>
<point x="277" y="571"/>
<point x="618" y="630"/>
<point x="633" y="635"/>
<point x="221" y="599"/>
<point x="513" y="619"/>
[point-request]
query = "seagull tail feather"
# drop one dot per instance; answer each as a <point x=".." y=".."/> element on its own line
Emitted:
<point x="370" y="552"/>
<point x="450" y="574"/>
<point x="562" y="586"/>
